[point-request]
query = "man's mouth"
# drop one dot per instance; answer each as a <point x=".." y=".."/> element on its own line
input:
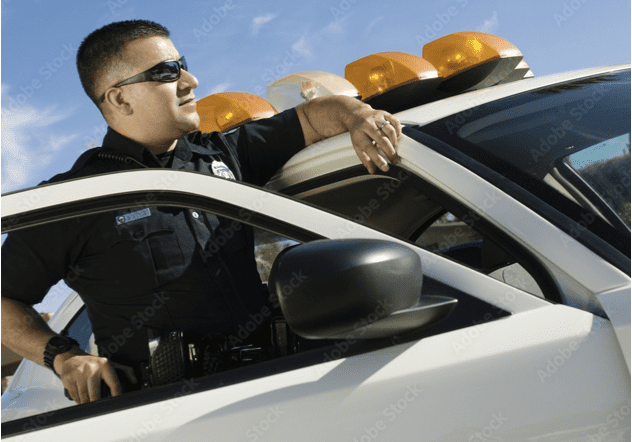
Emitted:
<point x="187" y="101"/>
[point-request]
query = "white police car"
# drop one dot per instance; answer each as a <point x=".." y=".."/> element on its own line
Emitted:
<point x="514" y="197"/>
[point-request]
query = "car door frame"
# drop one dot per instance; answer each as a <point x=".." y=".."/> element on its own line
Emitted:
<point x="268" y="210"/>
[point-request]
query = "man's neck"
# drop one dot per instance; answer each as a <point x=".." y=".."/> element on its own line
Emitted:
<point x="156" y="146"/>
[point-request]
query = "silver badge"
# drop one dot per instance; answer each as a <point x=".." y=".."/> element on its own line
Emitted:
<point x="133" y="216"/>
<point x="221" y="169"/>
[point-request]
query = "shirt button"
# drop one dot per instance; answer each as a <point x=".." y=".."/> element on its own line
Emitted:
<point x="196" y="215"/>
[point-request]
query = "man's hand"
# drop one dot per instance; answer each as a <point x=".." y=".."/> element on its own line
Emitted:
<point x="328" y="116"/>
<point x="81" y="374"/>
<point x="371" y="129"/>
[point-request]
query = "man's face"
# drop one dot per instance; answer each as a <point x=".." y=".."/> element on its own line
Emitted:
<point x="162" y="112"/>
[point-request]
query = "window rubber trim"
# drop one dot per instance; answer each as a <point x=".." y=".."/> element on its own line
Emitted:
<point x="582" y="185"/>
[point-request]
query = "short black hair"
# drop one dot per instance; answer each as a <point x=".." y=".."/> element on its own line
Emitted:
<point x="99" y="49"/>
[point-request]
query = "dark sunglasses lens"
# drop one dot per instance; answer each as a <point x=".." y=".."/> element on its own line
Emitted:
<point x="184" y="64"/>
<point x="167" y="71"/>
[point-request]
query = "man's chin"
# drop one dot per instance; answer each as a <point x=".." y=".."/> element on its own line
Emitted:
<point x="193" y="123"/>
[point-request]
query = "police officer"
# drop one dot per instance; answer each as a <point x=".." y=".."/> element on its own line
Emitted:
<point x="155" y="259"/>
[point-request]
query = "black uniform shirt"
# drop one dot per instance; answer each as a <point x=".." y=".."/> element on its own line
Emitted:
<point x="158" y="267"/>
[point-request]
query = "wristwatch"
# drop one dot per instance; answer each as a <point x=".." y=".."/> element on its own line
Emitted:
<point x="55" y="346"/>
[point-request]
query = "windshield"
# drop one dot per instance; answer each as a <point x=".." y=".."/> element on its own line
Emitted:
<point x="573" y="137"/>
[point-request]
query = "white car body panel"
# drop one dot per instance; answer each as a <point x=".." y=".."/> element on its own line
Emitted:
<point x="429" y="382"/>
<point x="616" y="303"/>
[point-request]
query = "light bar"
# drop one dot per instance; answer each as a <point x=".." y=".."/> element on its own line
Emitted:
<point x="227" y="110"/>
<point x="378" y="73"/>
<point x="294" y="89"/>
<point x="520" y="72"/>
<point x="485" y="58"/>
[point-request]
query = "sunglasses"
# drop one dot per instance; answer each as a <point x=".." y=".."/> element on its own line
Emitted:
<point x="165" y="72"/>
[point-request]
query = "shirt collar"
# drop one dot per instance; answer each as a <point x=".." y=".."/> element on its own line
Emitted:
<point x="183" y="150"/>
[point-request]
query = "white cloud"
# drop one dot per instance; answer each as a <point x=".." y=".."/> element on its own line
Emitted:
<point x="300" y="47"/>
<point x="371" y="25"/>
<point x="27" y="143"/>
<point x="56" y="142"/>
<point x="490" y="24"/>
<point x="260" y="20"/>
<point x="222" y="87"/>
<point x="335" y="27"/>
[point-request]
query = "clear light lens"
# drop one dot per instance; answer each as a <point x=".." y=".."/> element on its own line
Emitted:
<point x="294" y="89"/>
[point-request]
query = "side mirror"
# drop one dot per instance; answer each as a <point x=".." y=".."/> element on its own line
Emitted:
<point x="332" y="289"/>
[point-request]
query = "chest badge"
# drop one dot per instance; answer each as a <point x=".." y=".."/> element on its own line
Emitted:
<point x="133" y="216"/>
<point x="221" y="169"/>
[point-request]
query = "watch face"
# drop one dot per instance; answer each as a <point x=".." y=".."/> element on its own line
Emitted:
<point x="58" y="341"/>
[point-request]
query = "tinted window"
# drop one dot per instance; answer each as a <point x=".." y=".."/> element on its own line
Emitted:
<point x="529" y="137"/>
<point x="605" y="167"/>
<point x="81" y="330"/>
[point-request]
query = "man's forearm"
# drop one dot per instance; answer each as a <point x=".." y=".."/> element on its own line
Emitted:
<point x="24" y="331"/>
<point x="370" y="129"/>
<point x="328" y="116"/>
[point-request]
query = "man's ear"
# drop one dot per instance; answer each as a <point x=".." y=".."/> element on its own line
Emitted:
<point x="115" y="97"/>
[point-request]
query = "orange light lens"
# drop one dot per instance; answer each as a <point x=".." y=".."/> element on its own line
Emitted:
<point x="226" y="110"/>
<point x="458" y="52"/>
<point x="378" y="73"/>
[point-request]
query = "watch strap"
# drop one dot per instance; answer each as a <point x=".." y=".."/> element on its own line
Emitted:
<point x="53" y="350"/>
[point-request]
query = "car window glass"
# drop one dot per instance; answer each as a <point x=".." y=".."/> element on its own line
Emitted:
<point x="605" y="167"/>
<point x="527" y="137"/>
<point x="110" y="258"/>
<point x="412" y="209"/>
<point x="267" y="246"/>
<point x="80" y="329"/>
<point x="455" y="238"/>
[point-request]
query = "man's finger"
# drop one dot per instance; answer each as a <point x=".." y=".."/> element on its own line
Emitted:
<point x="397" y="125"/>
<point x="365" y="160"/>
<point x="84" y="396"/>
<point x="385" y="144"/>
<point x="112" y="380"/>
<point x="387" y="147"/>
<point x="72" y="391"/>
<point x="376" y="158"/>
<point x="390" y="132"/>
<point x="94" y="388"/>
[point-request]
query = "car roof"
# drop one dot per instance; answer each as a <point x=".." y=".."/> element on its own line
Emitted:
<point x="427" y="113"/>
<point x="430" y="112"/>
<point x="333" y="153"/>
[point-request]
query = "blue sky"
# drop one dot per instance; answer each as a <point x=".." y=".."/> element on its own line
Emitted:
<point x="241" y="45"/>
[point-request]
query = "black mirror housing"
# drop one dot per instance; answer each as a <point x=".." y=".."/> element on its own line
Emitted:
<point x="335" y="289"/>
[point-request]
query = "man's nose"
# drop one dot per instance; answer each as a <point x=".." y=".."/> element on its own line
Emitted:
<point x="187" y="80"/>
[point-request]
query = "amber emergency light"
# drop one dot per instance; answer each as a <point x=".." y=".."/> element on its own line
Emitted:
<point x="378" y="73"/>
<point x="227" y="110"/>
<point x="471" y="60"/>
